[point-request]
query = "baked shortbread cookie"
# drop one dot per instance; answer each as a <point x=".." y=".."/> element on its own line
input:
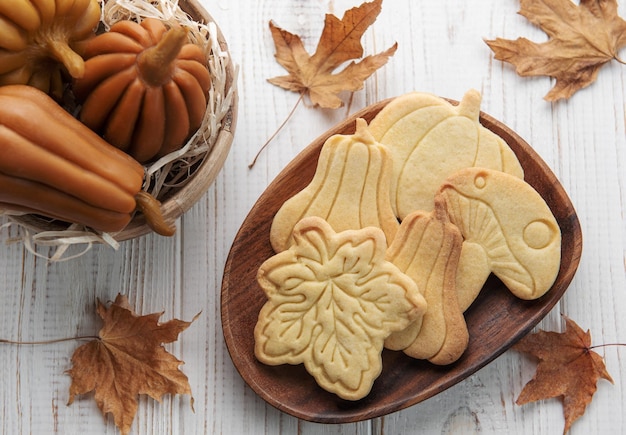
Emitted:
<point x="350" y="189"/>
<point x="509" y="230"/>
<point x="427" y="248"/>
<point x="332" y="301"/>
<point x="430" y="139"/>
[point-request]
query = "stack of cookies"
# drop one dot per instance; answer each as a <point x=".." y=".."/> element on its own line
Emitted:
<point x="393" y="240"/>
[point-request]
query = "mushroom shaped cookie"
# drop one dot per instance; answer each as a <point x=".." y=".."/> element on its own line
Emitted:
<point x="508" y="229"/>
<point x="429" y="139"/>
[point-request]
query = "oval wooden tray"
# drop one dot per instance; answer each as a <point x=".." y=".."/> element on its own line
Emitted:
<point x="179" y="200"/>
<point x="495" y="321"/>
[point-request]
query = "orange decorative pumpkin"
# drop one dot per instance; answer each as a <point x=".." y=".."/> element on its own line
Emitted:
<point x="38" y="41"/>
<point x="144" y="88"/>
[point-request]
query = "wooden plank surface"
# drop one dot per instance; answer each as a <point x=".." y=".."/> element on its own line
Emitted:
<point x="441" y="50"/>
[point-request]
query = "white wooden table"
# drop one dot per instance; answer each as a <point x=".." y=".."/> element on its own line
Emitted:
<point x="441" y="50"/>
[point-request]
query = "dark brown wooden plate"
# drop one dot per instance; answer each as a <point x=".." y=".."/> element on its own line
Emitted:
<point x="496" y="320"/>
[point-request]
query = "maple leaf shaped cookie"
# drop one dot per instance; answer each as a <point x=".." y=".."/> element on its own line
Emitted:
<point x="340" y="42"/>
<point x="582" y="38"/>
<point x="332" y="301"/>
<point x="128" y="360"/>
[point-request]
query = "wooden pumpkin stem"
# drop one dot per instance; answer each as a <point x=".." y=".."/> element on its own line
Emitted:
<point x="71" y="60"/>
<point x="155" y="64"/>
<point x="151" y="208"/>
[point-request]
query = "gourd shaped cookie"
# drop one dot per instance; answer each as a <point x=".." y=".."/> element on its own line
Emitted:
<point x="350" y="189"/>
<point x="508" y="229"/>
<point x="430" y="139"/>
<point x="332" y="301"/>
<point x="427" y="248"/>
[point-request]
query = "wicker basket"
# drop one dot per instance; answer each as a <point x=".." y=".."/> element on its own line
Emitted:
<point x="175" y="200"/>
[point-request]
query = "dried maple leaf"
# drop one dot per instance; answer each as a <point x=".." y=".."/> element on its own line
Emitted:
<point x="567" y="368"/>
<point x="582" y="38"/>
<point x="339" y="42"/>
<point x="127" y="360"/>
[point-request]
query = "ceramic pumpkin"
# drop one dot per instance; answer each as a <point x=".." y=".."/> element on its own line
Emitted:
<point x="145" y="87"/>
<point x="38" y="41"/>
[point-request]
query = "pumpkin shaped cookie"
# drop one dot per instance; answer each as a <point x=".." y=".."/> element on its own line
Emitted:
<point x="350" y="189"/>
<point x="430" y="139"/>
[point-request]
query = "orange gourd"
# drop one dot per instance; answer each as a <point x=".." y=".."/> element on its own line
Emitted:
<point x="144" y="88"/>
<point x="53" y="165"/>
<point x="38" y="40"/>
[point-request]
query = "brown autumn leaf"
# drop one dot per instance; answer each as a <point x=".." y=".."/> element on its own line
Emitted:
<point x="582" y="38"/>
<point x="567" y="368"/>
<point x="128" y="359"/>
<point x="339" y="43"/>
